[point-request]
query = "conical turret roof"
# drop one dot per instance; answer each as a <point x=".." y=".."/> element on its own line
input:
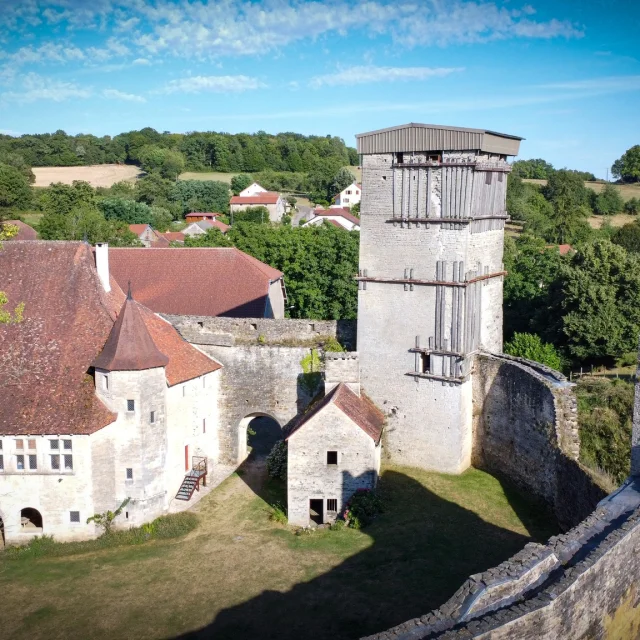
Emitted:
<point x="129" y="346"/>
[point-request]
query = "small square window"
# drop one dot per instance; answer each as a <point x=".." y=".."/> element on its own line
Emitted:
<point x="426" y="362"/>
<point x="105" y="382"/>
<point x="67" y="444"/>
<point x="54" y="445"/>
<point x="74" y="516"/>
<point x="332" y="457"/>
<point x="131" y="405"/>
<point x="20" y="463"/>
<point x="332" y="504"/>
<point x="68" y="462"/>
<point x="152" y="417"/>
<point x="55" y="463"/>
<point x="31" y="444"/>
<point x="33" y="462"/>
<point x="19" y="444"/>
<point x="129" y="474"/>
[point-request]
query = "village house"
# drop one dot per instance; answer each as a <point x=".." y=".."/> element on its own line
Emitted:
<point x="252" y="190"/>
<point x="144" y="233"/>
<point x="349" y="196"/>
<point x="338" y="217"/>
<point x="173" y="236"/>
<point x="272" y="201"/>
<point x="201" y="227"/>
<point x="202" y="281"/>
<point x="195" y="216"/>
<point x="335" y="448"/>
<point x="102" y="399"/>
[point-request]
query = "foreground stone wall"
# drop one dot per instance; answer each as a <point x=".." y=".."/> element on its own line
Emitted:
<point x="580" y="585"/>
<point x="271" y="367"/>
<point x="525" y="428"/>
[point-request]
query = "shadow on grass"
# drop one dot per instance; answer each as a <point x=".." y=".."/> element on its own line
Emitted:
<point x="422" y="549"/>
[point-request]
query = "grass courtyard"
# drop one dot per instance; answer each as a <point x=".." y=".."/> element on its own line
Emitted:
<point x="241" y="575"/>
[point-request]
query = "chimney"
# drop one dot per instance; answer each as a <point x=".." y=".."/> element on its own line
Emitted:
<point x="342" y="367"/>
<point x="102" y="264"/>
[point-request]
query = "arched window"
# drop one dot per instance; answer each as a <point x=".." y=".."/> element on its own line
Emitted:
<point x="30" y="520"/>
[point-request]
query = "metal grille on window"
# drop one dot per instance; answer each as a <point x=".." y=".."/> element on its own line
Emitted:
<point x="67" y="445"/>
<point x="54" y="444"/>
<point x="0" y="445"/>
<point x="68" y="462"/>
<point x="131" y="405"/>
<point x="20" y="463"/>
<point x="332" y="504"/>
<point x="1" y="463"/>
<point x="129" y="474"/>
<point x="33" y="462"/>
<point x="55" y="463"/>
<point x="74" y="516"/>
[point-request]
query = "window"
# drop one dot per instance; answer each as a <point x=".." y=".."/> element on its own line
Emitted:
<point x="184" y="390"/>
<point x="349" y="192"/>
<point x="74" y="516"/>
<point x="20" y="463"/>
<point x="152" y="417"/>
<point x="1" y="462"/>
<point x="19" y="444"/>
<point x="68" y="462"/>
<point x="131" y="405"/>
<point x="426" y="362"/>
<point x="33" y="462"/>
<point x="67" y="445"/>
<point x="54" y="445"/>
<point x="105" y="382"/>
<point x="129" y="474"/>
<point x="204" y="382"/>
<point x="31" y="444"/>
<point x="204" y="425"/>
<point x="487" y="178"/>
<point x="346" y="199"/>
<point x="332" y="457"/>
<point x="332" y="504"/>
<point x="55" y="463"/>
<point x="500" y="177"/>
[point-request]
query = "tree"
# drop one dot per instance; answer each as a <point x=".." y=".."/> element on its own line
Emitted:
<point x="62" y="198"/>
<point x="628" y="237"/>
<point x="152" y="187"/>
<point x="255" y="215"/>
<point x="201" y="195"/>
<point x="128" y="211"/>
<point x="172" y="165"/>
<point x="15" y="191"/>
<point x="240" y="182"/>
<point x="627" y="167"/>
<point x="106" y="519"/>
<point x="212" y="238"/>
<point x="341" y="181"/>
<point x="537" y="169"/>
<point x="531" y="347"/>
<point x="609" y="201"/>
<point x="570" y="201"/>
<point x="599" y="298"/>
<point x="632" y="206"/>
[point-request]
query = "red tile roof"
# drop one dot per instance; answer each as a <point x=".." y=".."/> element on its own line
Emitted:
<point x="360" y="409"/>
<point x="207" y="281"/>
<point x="221" y="225"/>
<point x="129" y="346"/>
<point x="338" y="212"/>
<point x="45" y="359"/>
<point x="159" y="241"/>
<point x="25" y="232"/>
<point x="266" y="197"/>
<point x="138" y="229"/>
<point x="176" y="236"/>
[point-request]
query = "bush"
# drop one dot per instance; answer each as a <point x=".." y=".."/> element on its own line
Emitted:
<point x="627" y="359"/>
<point x="632" y="206"/>
<point x="531" y="347"/>
<point x="277" y="461"/>
<point x="362" y="508"/>
<point x="278" y="513"/>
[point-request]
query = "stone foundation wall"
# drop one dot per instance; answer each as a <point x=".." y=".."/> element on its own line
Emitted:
<point x="525" y="427"/>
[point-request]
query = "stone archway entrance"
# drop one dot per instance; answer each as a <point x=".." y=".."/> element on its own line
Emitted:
<point x="257" y="433"/>
<point x="31" y="520"/>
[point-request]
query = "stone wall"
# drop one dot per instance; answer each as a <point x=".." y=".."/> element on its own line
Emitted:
<point x="271" y="367"/>
<point x="525" y="428"/>
<point x="580" y="585"/>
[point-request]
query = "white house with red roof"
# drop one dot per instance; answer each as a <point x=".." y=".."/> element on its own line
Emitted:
<point x="348" y="196"/>
<point x="273" y="201"/>
<point x="339" y="217"/>
<point x="252" y="190"/>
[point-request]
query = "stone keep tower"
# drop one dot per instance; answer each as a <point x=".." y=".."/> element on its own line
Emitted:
<point x="430" y="281"/>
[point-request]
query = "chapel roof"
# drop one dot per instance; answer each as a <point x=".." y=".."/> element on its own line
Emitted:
<point x="360" y="409"/>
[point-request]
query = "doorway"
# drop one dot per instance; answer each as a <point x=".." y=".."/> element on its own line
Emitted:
<point x="316" y="508"/>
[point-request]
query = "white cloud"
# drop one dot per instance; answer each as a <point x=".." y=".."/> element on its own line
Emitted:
<point x="218" y="84"/>
<point x="368" y="73"/>
<point x="121" y="95"/>
<point x="36" y="87"/>
<point x="141" y="61"/>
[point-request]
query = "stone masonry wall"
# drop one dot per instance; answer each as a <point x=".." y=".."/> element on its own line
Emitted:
<point x="525" y="428"/>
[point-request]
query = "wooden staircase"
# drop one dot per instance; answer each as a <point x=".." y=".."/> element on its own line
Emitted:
<point x="191" y="482"/>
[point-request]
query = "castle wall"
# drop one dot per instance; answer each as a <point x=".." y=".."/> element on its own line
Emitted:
<point x="525" y="428"/>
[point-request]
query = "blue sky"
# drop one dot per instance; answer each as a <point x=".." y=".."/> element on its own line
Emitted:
<point x="563" y="75"/>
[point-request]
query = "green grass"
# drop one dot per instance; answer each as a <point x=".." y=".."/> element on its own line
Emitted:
<point x="241" y="574"/>
<point x="208" y="175"/>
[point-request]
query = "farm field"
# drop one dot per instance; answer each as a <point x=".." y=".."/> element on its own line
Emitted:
<point x="99" y="175"/>
<point x="241" y="575"/>
<point x="627" y="191"/>
<point x="207" y="175"/>
<point x="619" y="220"/>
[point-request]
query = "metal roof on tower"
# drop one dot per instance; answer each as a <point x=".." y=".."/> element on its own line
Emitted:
<point x="433" y="137"/>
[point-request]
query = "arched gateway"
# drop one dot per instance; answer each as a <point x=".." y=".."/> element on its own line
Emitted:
<point x="257" y="433"/>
